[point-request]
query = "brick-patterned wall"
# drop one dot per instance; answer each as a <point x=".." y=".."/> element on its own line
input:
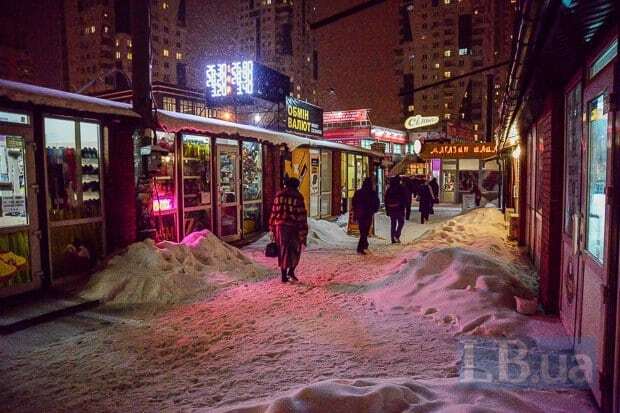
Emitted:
<point x="549" y="126"/>
<point x="336" y="184"/>
<point x="120" y="191"/>
<point x="272" y="178"/>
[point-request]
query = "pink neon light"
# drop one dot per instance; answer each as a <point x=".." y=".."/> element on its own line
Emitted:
<point x="162" y="204"/>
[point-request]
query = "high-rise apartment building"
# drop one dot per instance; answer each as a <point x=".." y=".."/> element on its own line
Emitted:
<point x="99" y="46"/>
<point x="277" y="34"/>
<point x="441" y="39"/>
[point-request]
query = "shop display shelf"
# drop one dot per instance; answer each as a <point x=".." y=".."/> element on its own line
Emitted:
<point x="190" y="195"/>
<point x="197" y="208"/>
<point x="163" y="178"/>
<point x="192" y="177"/>
<point x="186" y="158"/>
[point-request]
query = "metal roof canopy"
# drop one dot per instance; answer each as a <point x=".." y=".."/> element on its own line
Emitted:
<point x="182" y="122"/>
<point x="43" y="96"/>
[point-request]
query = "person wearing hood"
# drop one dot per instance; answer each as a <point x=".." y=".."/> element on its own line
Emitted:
<point x="395" y="206"/>
<point x="289" y="225"/>
<point x="365" y="204"/>
<point x="425" y="197"/>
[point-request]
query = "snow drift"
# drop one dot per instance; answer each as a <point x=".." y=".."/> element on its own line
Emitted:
<point x="407" y="395"/>
<point x="168" y="273"/>
<point x="463" y="274"/>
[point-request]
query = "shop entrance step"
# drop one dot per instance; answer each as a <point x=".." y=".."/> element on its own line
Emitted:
<point x="21" y="314"/>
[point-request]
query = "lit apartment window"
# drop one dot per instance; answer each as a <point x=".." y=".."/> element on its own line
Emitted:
<point x="411" y="108"/>
<point x="446" y="1"/>
<point x="447" y="74"/>
<point x="118" y="55"/>
<point x="166" y="52"/>
<point x="129" y="43"/>
<point x="179" y="55"/>
<point x="475" y="126"/>
<point x="463" y="52"/>
<point x="436" y="65"/>
<point x="92" y="29"/>
<point x="446" y="116"/>
<point x="129" y="56"/>
<point x="117" y="43"/>
<point x="447" y="53"/>
<point x="164" y="5"/>
<point x="298" y="87"/>
<point x="106" y="29"/>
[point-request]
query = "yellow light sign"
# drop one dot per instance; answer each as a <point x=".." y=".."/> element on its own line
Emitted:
<point x="418" y="121"/>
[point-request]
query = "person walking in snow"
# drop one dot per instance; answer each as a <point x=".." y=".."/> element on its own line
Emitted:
<point x="425" y="198"/>
<point x="395" y="205"/>
<point x="289" y="225"/>
<point x="434" y="186"/>
<point x="365" y="204"/>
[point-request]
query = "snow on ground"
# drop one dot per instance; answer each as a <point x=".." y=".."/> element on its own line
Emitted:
<point x="258" y="339"/>
<point x="406" y="395"/>
<point x="168" y="273"/>
<point x="455" y="284"/>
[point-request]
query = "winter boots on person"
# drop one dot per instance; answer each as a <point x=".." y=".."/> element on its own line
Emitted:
<point x="288" y="275"/>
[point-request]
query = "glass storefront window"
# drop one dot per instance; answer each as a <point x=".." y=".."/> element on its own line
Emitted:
<point x="164" y="191"/>
<point x="572" y="191"/>
<point x="73" y="175"/>
<point x="252" y="186"/>
<point x="326" y="183"/>
<point x="351" y="174"/>
<point x="13" y="207"/>
<point x="73" y="164"/>
<point x="196" y="182"/>
<point x="359" y="169"/>
<point x="597" y="178"/>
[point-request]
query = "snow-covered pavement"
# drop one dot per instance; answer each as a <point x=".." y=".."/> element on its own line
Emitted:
<point x="359" y="333"/>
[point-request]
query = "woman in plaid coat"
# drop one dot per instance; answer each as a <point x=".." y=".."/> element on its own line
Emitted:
<point x="289" y="225"/>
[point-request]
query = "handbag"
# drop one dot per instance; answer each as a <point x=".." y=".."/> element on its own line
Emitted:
<point x="272" y="250"/>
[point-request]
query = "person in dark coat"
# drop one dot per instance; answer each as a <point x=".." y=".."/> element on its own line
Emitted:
<point x="425" y="197"/>
<point x="289" y="225"/>
<point x="434" y="186"/>
<point x="406" y="182"/>
<point x="395" y="205"/>
<point x="365" y="204"/>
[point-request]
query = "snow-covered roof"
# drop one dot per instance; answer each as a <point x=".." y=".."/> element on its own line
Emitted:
<point x="178" y="122"/>
<point x="25" y="93"/>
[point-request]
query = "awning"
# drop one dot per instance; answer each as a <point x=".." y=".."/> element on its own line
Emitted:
<point x="43" y="96"/>
<point x="183" y="122"/>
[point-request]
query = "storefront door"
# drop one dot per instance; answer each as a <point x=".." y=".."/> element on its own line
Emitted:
<point x="20" y="251"/>
<point x="228" y="189"/>
<point x="592" y="283"/>
<point x="571" y="281"/>
<point x="74" y="196"/>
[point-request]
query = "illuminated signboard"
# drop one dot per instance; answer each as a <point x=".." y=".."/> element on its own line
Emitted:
<point x="304" y="118"/>
<point x="342" y="116"/>
<point x="418" y="121"/>
<point x="457" y="150"/>
<point x="388" y="135"/>
<point x="239" y="82"/>
<point x="228" y="79"/>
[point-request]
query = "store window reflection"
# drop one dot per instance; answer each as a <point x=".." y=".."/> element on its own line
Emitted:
<point x="252" y="186"/>
<point x="597" y="175"/>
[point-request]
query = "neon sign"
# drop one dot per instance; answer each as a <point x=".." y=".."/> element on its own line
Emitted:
<point x="230" y="79"/>
<point x="418" y="121"/>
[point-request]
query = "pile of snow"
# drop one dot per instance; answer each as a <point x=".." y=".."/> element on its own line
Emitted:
<point x="462" y="274"/>
<point x="471" y="290"/>
<point x="407" y="395"/>
<point x="169" y="273"/>
<point x="327" y="234"/>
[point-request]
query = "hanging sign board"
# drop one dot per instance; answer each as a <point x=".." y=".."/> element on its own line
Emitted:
<point x="418" y="121"/>
<point x="469" y="202"/>
<point x="304" y="118"/>
<point x="457" y="150"/>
